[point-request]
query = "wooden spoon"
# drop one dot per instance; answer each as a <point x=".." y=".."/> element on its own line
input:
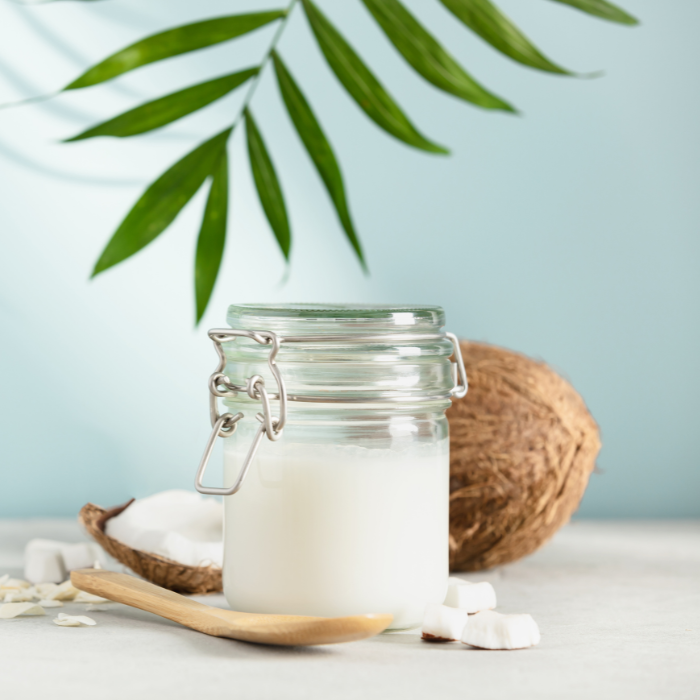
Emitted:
<point x="246" y="627"/>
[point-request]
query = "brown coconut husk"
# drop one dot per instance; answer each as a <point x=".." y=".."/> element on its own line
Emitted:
<point x="154" y="568"/>
<point x="522" y="446"/>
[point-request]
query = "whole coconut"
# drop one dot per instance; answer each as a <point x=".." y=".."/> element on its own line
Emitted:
<point x="522" y="446"/>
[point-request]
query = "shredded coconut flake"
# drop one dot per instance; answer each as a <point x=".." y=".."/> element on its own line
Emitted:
<point x="51" y="603"/>
<point x="43" y="590"/>
<point x="66" y="591"/>
<point x="21" y="596"/>
<point x="64" y="620"/>
<point x="14" y="583"/>
<point x="10" y="610"/>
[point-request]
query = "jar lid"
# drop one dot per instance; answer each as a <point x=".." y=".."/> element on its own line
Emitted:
<point x="343" y="353"/>
<point x="302" y="319"/>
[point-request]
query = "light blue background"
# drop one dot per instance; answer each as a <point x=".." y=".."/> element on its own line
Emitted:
<point x="570" y="234"/>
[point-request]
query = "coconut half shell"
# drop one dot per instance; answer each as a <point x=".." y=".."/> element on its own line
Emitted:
<point x="154" y="568"/>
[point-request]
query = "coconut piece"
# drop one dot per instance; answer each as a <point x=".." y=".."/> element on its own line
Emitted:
<point x="10" y="610"/>
<point x="64" y="620"/>
<point x="492" y="630"/>
<point x="472" y="597"/>
<point x="50" y="603"/>
<point x="78" y="556"/>
<point x="164" y="572"/>
<point x="44" y="565"/>
<point x="66" y="591"/>
<point x="84" y="597"/>
<point x="50" y="560"/>
<point x="442" y="623"/>
<point x="4" y="578"/>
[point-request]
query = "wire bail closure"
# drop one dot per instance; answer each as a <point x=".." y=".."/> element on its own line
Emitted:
<point x="225" y="425"/>
<point x="220" y="386"/>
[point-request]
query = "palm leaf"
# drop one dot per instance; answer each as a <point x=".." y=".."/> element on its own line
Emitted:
<point x="427" y="56"/>
<point x="162" y="202"/>
<point x="174" y="42"/>
<point x="318" y="148"/>
<point x="212" y="237"/>
<point x="167" y="109"/>
<point x="268" y="185"/>
<point x="602" y="9"/>
<point x="486" y="20"/>
<point x="361" y="83"/>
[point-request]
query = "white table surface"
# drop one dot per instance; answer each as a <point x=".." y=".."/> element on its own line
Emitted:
<point x="618" y="605"/>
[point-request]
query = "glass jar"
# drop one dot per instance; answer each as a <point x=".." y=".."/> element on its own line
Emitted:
<point x="344" y="509"/>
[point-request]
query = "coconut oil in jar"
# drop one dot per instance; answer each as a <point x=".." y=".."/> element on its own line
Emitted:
<point x="347" y="512"/>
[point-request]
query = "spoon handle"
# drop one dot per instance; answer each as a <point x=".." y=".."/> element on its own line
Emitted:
<point x="129" y="590"/>
<point x="286" y="630"/>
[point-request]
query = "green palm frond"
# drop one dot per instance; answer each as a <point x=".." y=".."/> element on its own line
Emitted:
<point x="162" y="201"/>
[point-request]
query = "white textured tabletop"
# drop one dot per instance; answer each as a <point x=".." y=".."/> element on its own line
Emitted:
<point x="618" y="605"/>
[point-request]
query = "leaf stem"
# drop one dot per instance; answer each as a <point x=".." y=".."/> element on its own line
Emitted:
<point x="28" y="100"/>
<point x="256" y="80"/>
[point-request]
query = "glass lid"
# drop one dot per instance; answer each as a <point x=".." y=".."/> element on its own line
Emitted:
<point x="336" y="318"/>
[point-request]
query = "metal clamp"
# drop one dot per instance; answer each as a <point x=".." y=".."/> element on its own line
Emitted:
<point x="461" y="385"/>
<point x="225" y="425"/>
<point x="220" y="386"/>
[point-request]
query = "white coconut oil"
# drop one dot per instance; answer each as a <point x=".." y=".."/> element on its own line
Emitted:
<point x="332" y="530"/>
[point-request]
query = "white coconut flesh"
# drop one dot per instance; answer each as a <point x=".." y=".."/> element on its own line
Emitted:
<point x="472" y="597"/>
<point x="492" y="630"/>
<point x="442" y="623"/>
<point x="179" y="525"/>
<point x="50" y="561"/>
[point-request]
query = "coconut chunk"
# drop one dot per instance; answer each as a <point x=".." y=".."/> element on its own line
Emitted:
<point x="10" y="610"/>
<point x="44" y="565"/>
<point x="5" y="577"/>
<point x="78" y="556"/>
<point x="472" y="597"/>
<point x="64" y="620"/>
<point x="50" y="560"/>
<point x="492" y="630"/>
<point x="442" y="623"/>
<point x="50" y="603"/>
<point x="84" y="597"/>
<point x="66" y="591"/>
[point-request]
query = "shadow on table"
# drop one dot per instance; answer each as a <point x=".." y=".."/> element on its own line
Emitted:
<point x="206" y="644"/>
<point x="413" y="639"/>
